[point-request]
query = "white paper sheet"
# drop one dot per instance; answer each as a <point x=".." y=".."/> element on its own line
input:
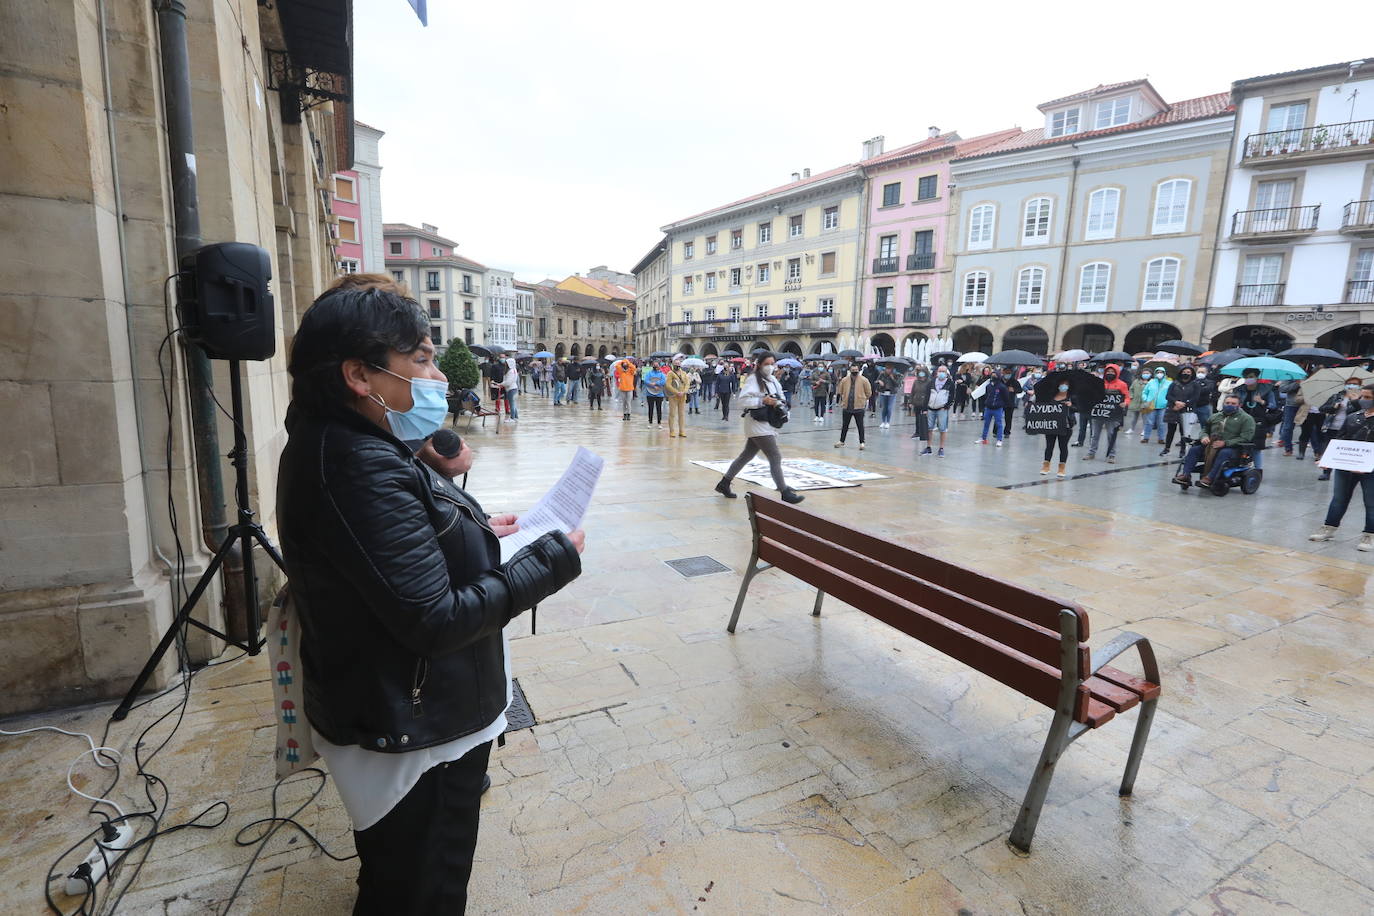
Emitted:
<point x="562" y="507"/>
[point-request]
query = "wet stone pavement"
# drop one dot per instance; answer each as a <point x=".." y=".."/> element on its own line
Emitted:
<point x="833" y="765"/>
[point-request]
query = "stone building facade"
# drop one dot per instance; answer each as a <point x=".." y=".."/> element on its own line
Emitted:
<point x="653" y="301"/>
<point x="449" y="287"/>
<point x="86" y="221"/>
<point x="573" y="325"/>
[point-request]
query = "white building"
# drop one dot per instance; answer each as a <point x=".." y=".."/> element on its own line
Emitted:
<point x="1295" y="249"/>
<point x="447" y="286"/>
<point x="501" y="308"/>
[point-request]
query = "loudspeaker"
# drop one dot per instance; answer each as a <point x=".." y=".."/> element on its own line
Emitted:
<point x="224" y="301"/>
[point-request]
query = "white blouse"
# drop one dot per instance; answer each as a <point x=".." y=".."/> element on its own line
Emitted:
<point x="751" y="396"/>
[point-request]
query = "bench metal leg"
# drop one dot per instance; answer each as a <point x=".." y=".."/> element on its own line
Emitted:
<point x="1142" y="734"/>
<point x="1057" y="740"/>
<point x="749" y="575"/>
<point x="820" y="596"/>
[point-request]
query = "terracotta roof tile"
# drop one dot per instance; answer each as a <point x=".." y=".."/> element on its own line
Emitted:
<point x="614" y="290"/>
<point x="1089" y="93"/>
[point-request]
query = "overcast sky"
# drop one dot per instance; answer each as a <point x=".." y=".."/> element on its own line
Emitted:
<point x="546" y="138"/>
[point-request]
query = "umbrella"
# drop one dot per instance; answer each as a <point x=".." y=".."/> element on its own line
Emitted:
<point x="850" y="354"/>
<point x="1164" y="357"/>
<point x="1014" y="358"/>
<point x="479" y="350"/>
<point x="944" y="354"/>
<point x="825" y="357"/>
<point x="1270" y="367"/>
<point x="589" y="361"/>
<point x="610" y="357"/>
<point x="974" y="357"/>
<point x="660" y="354"/>
<point x="1322" y="384"/>
<point x="1083" y="385"/>
<point x="1221" y="358"/>
<point x="1073" y="356"/>
<point x="1111" y="356"/>
<point x="897" y="361"/>
<point x="1181" y="347"/>
<point x="543" y="354"/>
<point x="790" y="362"/>
<point x="1312" y="355"/>
<point x="693" y="362"/>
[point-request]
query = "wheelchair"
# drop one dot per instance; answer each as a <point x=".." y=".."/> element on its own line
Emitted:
<point x="1240" y="472"/>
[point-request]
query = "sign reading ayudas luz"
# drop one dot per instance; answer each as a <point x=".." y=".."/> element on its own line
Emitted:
<point x="1347" y="455"/>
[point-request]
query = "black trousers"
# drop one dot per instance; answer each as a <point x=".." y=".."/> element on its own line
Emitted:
<point x="858" y="417"/>
<point x="418" y="858"/>
<point x="1063" y="440"/>
<point x="724" y="405"/>
<point x="655" y="406"/>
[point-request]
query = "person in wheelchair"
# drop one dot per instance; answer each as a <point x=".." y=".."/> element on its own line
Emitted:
<point x="1227" y="432"/>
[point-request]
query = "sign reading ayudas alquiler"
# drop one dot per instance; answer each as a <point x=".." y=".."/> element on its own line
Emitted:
<point x="1346" y="455"/>
<point x="1050" y="418"/>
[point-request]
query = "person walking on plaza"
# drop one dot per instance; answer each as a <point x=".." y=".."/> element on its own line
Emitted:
<point x="560" y="381"/>
<point x="625" y="376"/>
<point x="1259" y="400"/>
<point x="574" y="381"/>
<point x="694" y="391"/>
<point x="1137" y="412"/>
<point x="820" y="392"/>
<point x="760" y="393"/>
<point x="853" y="395"/>
<point x="511" y="382"/>
<point x="937" y="400"/>
<point x="1183" y="396"/>
<point x="961" y="388"/>
<point x="1061" y="433"/>
<point x="995" y="398"/>
<point x="1207" y="396"/>
<point x="917" y="400"/>
<point x="596" y="385"/>
<point x="727" y="383"/>
<point x="1111" y="422"/>
<point x="886" y="386"/>
<point x="1155" y="396"/>
<point x="1358" y="427"/>
<point x="870" y="372"/>
<point x="789" y="385"/>
<point x="1226" y="433"/>
<point x="655" y="388"/>
<point x="677" y="384"/>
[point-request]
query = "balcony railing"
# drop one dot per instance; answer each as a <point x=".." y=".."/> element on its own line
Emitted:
<point x="885" y="265"/>
<point x="1360" y="291"/>
<point x="1259" y="294"/>
<point x="1352" y="137"/>
<point x="1358" y="218"/>
<point x="811" y="321"/>
<point x="921" y="260"/>
<point x="919" y="314"/>
<point x="882" y="316"/>
<point x="1275" y="223"/>
<point x="431" y="286"/>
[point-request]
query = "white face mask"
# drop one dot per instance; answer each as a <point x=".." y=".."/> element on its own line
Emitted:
<point x="767" y="371"/>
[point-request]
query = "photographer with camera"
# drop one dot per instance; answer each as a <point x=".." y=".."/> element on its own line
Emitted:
<point x="764" y="414"/>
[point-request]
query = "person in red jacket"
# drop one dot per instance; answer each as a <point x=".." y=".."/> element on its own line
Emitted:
<point x="1107" y="414"/>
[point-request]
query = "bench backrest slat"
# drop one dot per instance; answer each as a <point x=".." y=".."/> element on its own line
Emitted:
<point x="1021" y="672"/>
<point x="1041" y="610"/>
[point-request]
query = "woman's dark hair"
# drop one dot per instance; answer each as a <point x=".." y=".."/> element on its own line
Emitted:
<point x="349" y="323"/>
<point x="760" y="356"/>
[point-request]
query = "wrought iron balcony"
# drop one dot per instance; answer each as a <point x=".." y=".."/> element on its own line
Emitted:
<point x="1259" y="294"/>
<point x="1275" y="223"/>
<point x="885" y="265"/>
<point x="1277" y="147"/>
<point x="1359" y="291"/>
<point x="921" y="260"/>
<point x="882" y="316"/>
<point x="919" y="314"/>
<point x="1358" y="218"/>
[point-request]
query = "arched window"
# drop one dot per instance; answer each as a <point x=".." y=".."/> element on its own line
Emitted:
<point x="975" y="292"/>
<point x="1102" y="209"/>
<point x="1036" y="226"/>
<point x="1171" y="205"/>
<point x="1094" y="281"/>
<point x="1161" y="284"/>
<point x="1030" y="289"/>
<point x="980" y="220"/>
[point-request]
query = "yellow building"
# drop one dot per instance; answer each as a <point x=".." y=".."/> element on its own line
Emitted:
<point x="775" y="269"/>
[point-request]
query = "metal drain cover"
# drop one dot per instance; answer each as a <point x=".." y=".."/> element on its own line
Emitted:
<point x="518" y="715"/>
<point x="691" y="567"/>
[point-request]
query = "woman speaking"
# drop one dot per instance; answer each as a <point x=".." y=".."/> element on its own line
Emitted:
<point x="397" y="578"/>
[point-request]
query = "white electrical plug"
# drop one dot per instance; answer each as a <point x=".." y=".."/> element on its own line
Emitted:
<point x="92" y="870"/>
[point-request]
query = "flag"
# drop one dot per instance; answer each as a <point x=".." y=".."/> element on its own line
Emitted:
<point x="421" y="10"/>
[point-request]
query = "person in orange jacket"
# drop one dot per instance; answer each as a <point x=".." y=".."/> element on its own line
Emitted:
<point x="625" y="377"/>
<point x="1110" y="421"/>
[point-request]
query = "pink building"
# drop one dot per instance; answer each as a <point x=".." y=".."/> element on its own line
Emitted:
<point x="357" y="205"/>
<point x="905" y="266"/>
<point x="349" y="213"/>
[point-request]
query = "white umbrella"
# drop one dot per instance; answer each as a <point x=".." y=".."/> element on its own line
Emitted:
<point x="974" y="357"/>
<point x="1073" y="356"/>
<point x="611" y="357"/>
<point x="693" y="362"/>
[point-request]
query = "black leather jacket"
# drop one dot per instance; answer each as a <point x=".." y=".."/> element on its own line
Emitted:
<point x="401" y="593"/>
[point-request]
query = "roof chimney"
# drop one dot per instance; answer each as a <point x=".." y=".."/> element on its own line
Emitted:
<point x="429" y="227"/>
<point x="934" y="131"/>
<point x="806" y="173"/>
<point x="796" y="176"/>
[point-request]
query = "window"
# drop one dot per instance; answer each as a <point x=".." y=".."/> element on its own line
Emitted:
<point x="574" y="327"/>
<point x="892" y="194"/>
<point x="1036" y="229"/>
<point x="1113" y="112"/>
<point x="827" y="263"/>
<point x="689" y="250"/>
<point x="399" y="276"/>
<point x="467" y="283"/>
<point x="687" y="315"/>
<point x="761" y="310"/>
<point x="431" y="280"/>
<point x="1093" y="282"/>
<point x="560" y="327"/>
<point x="792" y="308"/>
<point x="884" y="300"/>
<point x="435" y="309"/>
<point x="349" y="266"/>
<point x="980" y="220"/>
<point x="348" y="229"/>
<point x="765" y="233"/>
<point x="543" y="327"/>
<point x="1289" y="116"/>
<point x="975" y="291"/>
<point x="688" y="287"/>
<point x="436" y="335"/>
<point x="1171" y="205"/>
<point x="794" y="268"/>
<point x="734" y="314"/>
<point x="794" y="226"/>
<point x="344" y="190"/>
<point x="710" y="314"/>
<point x="1030" y="289"/>
<point x="827" y="304"/>
<point x="887" y="246"/>
<point x="830" y="218"/>
<point x="711" y="282"/>
<point x="1064" y="122"/>
<point x="1161" y="283"/>
<point x="1102" y="209"/>
<point x="735" y="277"/>
<point x="763" y="274"/>
<point x="467" y="310"/>
<point x="436" y="251"/>
<point x="925" y="187"/>
<point x="396" y="247"/>
<point x="1276" y="195"/>
<point x="920" y="294"/>
<point x="736" y="239"/>
<point x="710" y="244"/>
<point x="467" y="336"/>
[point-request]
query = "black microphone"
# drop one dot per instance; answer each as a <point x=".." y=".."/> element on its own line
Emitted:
<point x="447" y="443"/>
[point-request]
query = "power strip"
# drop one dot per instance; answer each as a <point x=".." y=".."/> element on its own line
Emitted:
<point x="90" y="872"/>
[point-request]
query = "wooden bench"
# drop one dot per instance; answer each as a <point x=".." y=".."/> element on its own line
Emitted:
<point x="460" y="404"/>
<point x="1032" y="643"/>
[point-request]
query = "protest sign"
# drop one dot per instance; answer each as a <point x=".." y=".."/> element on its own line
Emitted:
<point x="1048" y="418"/>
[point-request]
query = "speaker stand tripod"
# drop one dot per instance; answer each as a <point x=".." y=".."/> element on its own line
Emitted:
<point x="244" y="534"/>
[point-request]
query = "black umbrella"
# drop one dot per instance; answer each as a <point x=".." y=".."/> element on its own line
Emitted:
<point x="825" y="357"/>
<point x="1083" y="386"/>
<point x="851" y="354"/>
<point x="1181" y="348"/>
<point x="1312" y="355"/>
<point x="478" y="350"/>
<point x="1222" y="358"/>
<point x="898" y="361"/>
<point x="660" y="354"/>
<point x="944" y="354"/>
<point x="1111" y="356"/>
<point x="1014" y="358"/>
<point x="588" y="361"/>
